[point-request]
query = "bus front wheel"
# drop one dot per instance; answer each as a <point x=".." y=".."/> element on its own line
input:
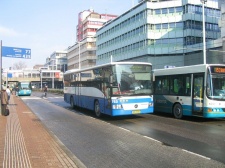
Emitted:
<point x="178" y="111"/>
<point x="97" y="109"/>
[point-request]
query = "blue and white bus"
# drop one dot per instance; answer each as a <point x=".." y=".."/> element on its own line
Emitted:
<point x="115" y="89"/>
<point x="197" y="90"/>
<point x="24" y="88"/>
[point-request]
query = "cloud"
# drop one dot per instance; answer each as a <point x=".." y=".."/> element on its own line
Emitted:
<point x="8" y="32"/>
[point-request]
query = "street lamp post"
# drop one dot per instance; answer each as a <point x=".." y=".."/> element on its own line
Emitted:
<point x="53" y="81"/>
<point x="41" y="78"/>
<point x="1" y="73"/>
<point x="203" y="32"/>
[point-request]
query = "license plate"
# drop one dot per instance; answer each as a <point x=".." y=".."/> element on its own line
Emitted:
<point x="136" y="111"/>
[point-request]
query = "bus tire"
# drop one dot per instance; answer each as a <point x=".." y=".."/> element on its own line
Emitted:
<point x="97" y="108"/>
<point x="72" y="102"/>
<point x="177" y="111"/>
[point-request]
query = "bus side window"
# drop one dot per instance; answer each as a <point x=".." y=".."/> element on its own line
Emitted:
<point x="165" y="86"/>
<point x="158" y="86"/>
<point x="188" y="85"/>
<point x="172" y="87"/>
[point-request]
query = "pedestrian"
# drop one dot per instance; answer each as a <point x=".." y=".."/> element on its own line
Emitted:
<point x="45" y="90"/>
<point x="8" y="91"/>
<point x="4" y="100"/>
<point x="17" y="90"/>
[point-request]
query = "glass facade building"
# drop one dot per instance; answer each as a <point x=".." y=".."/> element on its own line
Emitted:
<point x="162" y="33"/>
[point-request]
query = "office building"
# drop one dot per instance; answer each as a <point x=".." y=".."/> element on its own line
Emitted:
<point x="163" y="33"/>
<point x="83" y="53"/>
<point x="57" y="61"/>
<point x="222" y="21"/>
<point x="222" y="26"/>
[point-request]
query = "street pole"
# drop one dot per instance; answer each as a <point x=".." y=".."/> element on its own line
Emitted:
<point x="1" y="74"/>
<point x="7" y="78"/>
<point x="203" y="32"/>
<point x="41" y="78"/>
<point x="53" y="75"/>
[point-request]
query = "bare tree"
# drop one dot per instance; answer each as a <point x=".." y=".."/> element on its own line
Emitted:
<point x="19" y="65"/>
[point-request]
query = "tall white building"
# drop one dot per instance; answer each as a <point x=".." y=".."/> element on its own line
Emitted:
<point x="89" y="22"/>
<point x="83" y="53"/>
<point x="57" y="61"/>
<point x="163" y="33"/>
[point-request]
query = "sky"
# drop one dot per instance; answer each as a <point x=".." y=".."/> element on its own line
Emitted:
<point x="45" y="26"/>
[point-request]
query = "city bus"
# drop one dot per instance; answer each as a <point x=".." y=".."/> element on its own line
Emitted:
<point x="114" y="89"/>
<point x="24" y="88"/>
<point x="197" y="90"/>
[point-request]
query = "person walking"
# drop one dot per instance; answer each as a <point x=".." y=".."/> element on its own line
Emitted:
<point x="8" y="91"/>
<point x="17" y="90"/>
<point x="45" y="90"/>
<point x="4" y="100"/>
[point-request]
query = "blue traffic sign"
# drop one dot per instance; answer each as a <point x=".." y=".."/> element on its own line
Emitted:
<point x="16" y="52"/>
<point x="9" y="75"/>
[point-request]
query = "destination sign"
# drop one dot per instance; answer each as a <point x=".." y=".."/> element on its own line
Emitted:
<point x="218" y="70"/>
<point x="15" y="52"/>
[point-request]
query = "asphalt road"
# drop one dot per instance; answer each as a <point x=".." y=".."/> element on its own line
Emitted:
<point x="132" y="141"/>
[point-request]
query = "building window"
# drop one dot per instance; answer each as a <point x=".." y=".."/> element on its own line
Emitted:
<point x="179" y="9"/>
<point x="164" y="26"/>
<point x="157" y="11"/>
<point x="171" y="25"/>
<point x="164" y="11"/>
<point x="171" y="10"/>
<point x="179" y="25"/>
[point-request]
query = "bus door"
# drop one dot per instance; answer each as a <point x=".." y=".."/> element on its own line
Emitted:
<point x="79" y="97"/>
<point x="77" y="94"/>
<point x="197" y="95"/>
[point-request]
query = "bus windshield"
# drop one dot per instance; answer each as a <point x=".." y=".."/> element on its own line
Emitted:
<point x="132" y="80"/>
<point x="216" y="87"/>
<point x="24" y="86"/>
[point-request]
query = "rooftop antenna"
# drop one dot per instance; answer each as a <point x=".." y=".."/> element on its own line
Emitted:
<point x="91" y="9"/>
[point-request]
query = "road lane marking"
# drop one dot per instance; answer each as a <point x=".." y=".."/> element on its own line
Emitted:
<point x="125" y="129"/>
<point x="196" y="154"/>
<point x="27" y="112"/>
<point x="25" y="98"/>
<point x="152" y="139"/>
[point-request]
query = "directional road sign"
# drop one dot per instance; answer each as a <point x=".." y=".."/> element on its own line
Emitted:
<point x="16" y="52"/>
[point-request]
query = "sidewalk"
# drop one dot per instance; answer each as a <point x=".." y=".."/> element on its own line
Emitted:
<point x="26" y="143"/>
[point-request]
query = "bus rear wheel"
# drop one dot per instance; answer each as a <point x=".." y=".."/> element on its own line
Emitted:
<point x="97" y="108"/>
<point x="178" y="111"/>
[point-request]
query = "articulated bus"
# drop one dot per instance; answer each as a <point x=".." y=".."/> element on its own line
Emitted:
<point x="115" y="89"/>
<point x="24" y="88"/>
<point x="197" y="90"/>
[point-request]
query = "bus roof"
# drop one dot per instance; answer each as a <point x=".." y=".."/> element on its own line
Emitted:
<point x="184" y="70"/>
<point x="103" y="65"/>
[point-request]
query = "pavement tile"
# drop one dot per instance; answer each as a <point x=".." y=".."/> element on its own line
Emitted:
<point x="30" y="139"/>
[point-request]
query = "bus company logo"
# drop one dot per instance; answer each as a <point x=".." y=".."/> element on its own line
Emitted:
<point x="161" y="101"/>
<point x="135" y="106"/>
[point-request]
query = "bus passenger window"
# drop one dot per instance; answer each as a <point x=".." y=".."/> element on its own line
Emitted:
<point x="181" y="88"/>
